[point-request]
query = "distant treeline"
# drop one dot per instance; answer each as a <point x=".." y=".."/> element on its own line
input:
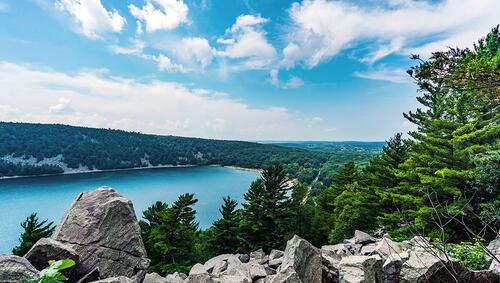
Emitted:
<point x="104" y="149"/>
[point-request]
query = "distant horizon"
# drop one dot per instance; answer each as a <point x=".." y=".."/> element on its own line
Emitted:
<point x="145" y="133"/>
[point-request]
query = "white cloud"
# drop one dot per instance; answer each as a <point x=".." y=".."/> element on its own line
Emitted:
<point x="321" y="29"/>
<point x="134" y="49"/>
<point x="194" y="52"/>
<point x="385" y="74"/>
<point x="163" y="15"/>
<point x="163" y="62"/>
<point x="4" y="7"/>
<point x="62" y="107"/>
<point x="293" y="82"/>
<point x="103" y="100"/>
<point x="246" y="42"/>
<point x="93" y="19"/>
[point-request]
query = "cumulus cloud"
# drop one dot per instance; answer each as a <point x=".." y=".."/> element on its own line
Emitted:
<point x="103" y="100"/>
<point x="161" y="14"/>
<point x="62" y="107"/>
<point x="385" y="74"/>
<point x="293" y="82"/>
<point x="321" y="29"/>
<point x="92" y="18"/>
<point x="246" y="42"/>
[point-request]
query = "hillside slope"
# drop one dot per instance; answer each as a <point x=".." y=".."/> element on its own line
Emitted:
<point x="33" y="149"/>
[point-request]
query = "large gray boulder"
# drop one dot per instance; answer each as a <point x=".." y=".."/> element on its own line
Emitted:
<point x="156" y="278"/>
<point x="494" y="248"/>
<point x="14" y="269"/>
<point x="304" y="258"/>
<point x="429" y="265"/>
<point x="102" y="229"/>
<point x="361" y="237"/>
<point x="361" y="269"/>
<point x="387" y="247"/>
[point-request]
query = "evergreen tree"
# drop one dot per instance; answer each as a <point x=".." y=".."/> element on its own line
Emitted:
<point x="460" y="95"/>
<point x="266" y="214"/>
<point x="33" y="231"/>
<point x="355" y="209"/>
<point x="346" y="175"/>
<point x="171" y="234"/>
<point x="224" y="235"/>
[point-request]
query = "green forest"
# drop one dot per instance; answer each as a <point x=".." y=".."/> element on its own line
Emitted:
<point x="440" y="180"/>
<point x="105" y="149"/>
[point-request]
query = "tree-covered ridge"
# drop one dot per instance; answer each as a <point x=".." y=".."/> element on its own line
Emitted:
<point x="104" y="149"/>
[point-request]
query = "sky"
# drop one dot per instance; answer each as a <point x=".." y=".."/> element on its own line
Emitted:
<point x="227" y="69"/>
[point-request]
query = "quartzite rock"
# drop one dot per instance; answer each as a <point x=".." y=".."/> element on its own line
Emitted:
<point x="102" y="229"/>
<point x="304" y="258"/>
<point x="14" y="269"/>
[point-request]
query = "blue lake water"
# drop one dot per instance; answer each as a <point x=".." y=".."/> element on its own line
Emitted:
<point x="50" y="196"/>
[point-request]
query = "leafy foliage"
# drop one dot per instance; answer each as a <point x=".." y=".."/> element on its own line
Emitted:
<point x="470" y="255"/>
<point x="34" y="230"/>
<point x="52" y="274"/>
<point x="224" y="235"/>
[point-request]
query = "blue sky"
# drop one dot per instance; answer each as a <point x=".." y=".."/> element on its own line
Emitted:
<point x="229" y="69"/>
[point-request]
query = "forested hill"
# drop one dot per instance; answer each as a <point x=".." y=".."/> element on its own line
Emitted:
<point x="32" y="149"/>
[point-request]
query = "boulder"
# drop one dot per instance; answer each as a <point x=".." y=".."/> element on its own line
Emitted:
<point x="494" y="248"/>
<point x="275" y="258"/>
<point x="304" y="258"/>
<point x="387" y="247"/>
<point x="361" y="237"/>
<point x="368" y="249"/>
<point x="361" y="269"/>
<point x="102" y="229"/>
<point x="427" y="265"/>
<point x="259" y="256"/>
<point x="218" y="261"/>
<point x="47" y="249"/>
<point x="257" y="271"/>
<point x="202" y="278"/>
<point x="244" y="258"/>
<point x="14" y="269"/>
<point x="234" y="279"/>
<point x="392" y="268"/>
<point x="198" y="269"/>
<point x="118" y="279"/>
<point x="156" y="278"/>
<point x="176" y="278"/>
<point x="419" y="241"/>
<point x="286" y="275"/>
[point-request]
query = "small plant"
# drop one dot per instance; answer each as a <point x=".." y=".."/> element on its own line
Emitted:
<point x="469" y="255"/>
<point x="52" y="273"/>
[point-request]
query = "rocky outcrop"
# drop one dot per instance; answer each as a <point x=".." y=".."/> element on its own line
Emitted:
<point x="101" y="234"/>
<point x="14" y="269"/>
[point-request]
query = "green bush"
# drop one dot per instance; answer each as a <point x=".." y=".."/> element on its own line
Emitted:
<point x="469" y="255"/>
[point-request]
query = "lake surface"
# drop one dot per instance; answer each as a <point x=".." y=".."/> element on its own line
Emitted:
<point x="51" y="196"/>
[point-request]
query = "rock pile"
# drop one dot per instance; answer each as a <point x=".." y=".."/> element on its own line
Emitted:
<point x="101" y="234"/>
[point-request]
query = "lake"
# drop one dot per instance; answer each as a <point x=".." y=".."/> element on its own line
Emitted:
<point x="51" y="196"/>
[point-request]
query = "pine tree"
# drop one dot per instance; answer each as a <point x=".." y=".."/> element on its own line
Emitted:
<point x="266" y="213"/>
<point x="33" y="231"/>
<point x="224" y="236"/>
<point x="355" y="209"/>
<point x="346" y="175"/>
<point x="460" y="95"/>
<point x="171" y="234"/>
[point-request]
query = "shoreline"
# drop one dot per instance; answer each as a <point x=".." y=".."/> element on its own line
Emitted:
<point x="76" y="172"/>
